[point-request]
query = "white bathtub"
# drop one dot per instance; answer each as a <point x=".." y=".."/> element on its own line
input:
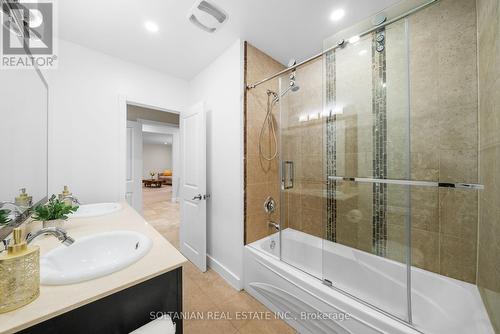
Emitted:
<point x="440" y="305"/>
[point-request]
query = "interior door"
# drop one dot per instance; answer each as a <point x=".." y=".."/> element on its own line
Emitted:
<point x="133" y="179"/>
<point x="193" y="229"/>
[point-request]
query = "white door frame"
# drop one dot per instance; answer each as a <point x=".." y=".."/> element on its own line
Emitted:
<point x="123" y="101"/>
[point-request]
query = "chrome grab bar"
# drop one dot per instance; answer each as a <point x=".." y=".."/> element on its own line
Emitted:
<point x="436" y="184"/>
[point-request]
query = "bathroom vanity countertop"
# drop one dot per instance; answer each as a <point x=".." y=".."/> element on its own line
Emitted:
<point x="56" y="300"/>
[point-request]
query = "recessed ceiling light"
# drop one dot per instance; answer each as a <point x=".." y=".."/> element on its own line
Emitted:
<point x="151" y="26"/>
<point x="337" y="14"/>
<point x="354" y="39"/>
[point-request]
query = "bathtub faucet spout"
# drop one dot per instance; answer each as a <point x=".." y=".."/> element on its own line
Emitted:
<point x="276" y="226"/>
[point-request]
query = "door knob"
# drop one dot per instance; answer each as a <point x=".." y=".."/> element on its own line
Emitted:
<point x="197" y="197"/>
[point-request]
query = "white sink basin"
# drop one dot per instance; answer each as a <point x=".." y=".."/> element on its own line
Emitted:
<point x="92" y="257"/>
<point x="98" y="209"/>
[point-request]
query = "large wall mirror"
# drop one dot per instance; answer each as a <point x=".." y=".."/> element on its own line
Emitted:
<point x="24" y="136"/>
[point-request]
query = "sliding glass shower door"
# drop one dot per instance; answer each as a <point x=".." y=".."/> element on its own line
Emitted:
<point x="366" y="249"/>
<point x="345" y="132"/>
<point x="302" y="168"/>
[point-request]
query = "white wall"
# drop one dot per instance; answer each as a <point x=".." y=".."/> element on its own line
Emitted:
<point x="23" y="134"/>
<point x="85" y="119"/>
<point x="220" y="85"/>
<point x="155" y="158"/>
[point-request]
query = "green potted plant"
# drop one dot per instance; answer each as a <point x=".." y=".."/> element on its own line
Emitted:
<point x="152" y="174"/>
<point x="4" y="217"/>
<point x="54" y="212"/>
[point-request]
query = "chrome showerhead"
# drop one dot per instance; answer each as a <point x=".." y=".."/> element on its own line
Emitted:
<point x="292" y="83"/>
<point x="293" y="86"/>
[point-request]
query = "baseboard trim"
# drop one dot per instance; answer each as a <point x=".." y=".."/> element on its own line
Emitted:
<point x="225" y="273"/>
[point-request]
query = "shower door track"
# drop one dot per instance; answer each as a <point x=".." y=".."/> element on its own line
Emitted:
<point x="459" y="185"/>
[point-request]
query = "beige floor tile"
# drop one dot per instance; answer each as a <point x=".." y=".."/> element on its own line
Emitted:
<point x="209" y="327"/>
<point x="242" y="308"/>
<point x="203" y="278"/>
<point x="197" y="301"/>
<point x="189" y="268"/>
<point x="218" y="291"/>
<point x="266" y="327"/>
<point x="188" y="286"/>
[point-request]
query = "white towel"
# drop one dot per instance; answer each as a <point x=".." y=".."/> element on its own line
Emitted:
<point x="163" y="325"/>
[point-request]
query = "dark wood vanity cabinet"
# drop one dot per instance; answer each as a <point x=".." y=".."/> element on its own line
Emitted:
<point x="123" y="311"/>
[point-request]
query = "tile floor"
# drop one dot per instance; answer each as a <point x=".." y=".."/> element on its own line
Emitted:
<point x="206" y="292"/>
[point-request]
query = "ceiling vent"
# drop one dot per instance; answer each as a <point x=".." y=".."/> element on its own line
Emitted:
<point x="207" y="16"/>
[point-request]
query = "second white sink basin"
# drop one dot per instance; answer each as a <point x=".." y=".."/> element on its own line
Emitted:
<point x="94" y="210"/>
<point x="92" y="257"/>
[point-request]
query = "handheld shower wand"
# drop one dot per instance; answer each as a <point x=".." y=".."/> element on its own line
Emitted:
<point x="272" y="99"/>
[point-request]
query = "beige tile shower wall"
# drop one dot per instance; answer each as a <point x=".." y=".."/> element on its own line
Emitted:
<point x="444" y="136"/>
<point x="489" y="113"/>
<point x="261" y="176"/>
<point x="302" y="142"/>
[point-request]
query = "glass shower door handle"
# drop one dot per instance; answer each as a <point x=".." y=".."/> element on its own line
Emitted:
<point x="287" y="174"/>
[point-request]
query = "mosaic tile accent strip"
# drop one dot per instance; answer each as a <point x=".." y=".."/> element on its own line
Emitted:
<point x="331" y="149"/>
<point x="379" y="111"/>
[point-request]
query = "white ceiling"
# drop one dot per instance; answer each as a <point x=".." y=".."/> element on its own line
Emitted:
<point x="283" y="28"/>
